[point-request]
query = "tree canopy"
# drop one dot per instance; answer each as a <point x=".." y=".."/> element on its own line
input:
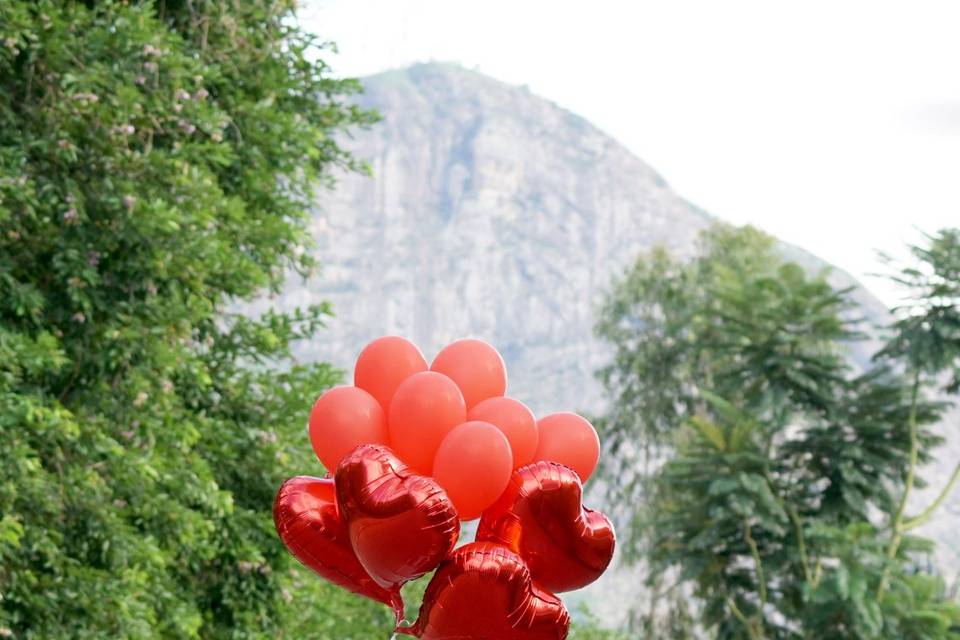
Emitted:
<point x="156" y="164"/>
<point x="774" y="470"/>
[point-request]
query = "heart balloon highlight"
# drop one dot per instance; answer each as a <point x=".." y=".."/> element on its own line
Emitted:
<point x="483" y="591"/>
<point x="401" y="525"/>
<point x="540" y="516"/>
<point x="305" y="514"/>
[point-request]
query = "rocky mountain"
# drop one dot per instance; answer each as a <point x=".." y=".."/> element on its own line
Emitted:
<point x="492" y="213"/>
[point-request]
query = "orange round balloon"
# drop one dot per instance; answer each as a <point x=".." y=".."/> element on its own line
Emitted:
<point x="473" y="465"/>
<point x="343" y="418"/>
<point x="571" y="440"/>
<point x="516" y="422"/>
<point x="384" y="364"/>
<point x="475" y="366"/>
<point x="424" y="409"/>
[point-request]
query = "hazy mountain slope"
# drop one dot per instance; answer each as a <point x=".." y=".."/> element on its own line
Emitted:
<point x="492" y="213"/>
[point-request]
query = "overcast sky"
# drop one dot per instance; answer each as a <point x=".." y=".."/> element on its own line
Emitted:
<point x="834" y="125"/>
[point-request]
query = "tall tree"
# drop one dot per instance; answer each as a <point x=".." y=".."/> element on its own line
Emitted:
<point x="774" y="473"/>
<point x="156" y="164"/>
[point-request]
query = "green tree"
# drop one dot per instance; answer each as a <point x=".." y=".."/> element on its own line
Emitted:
<point x="156" y="164"/>
<point x="774" y="473"/>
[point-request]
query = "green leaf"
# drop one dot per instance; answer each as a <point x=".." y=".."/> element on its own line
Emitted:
<point x="710" y="431"/>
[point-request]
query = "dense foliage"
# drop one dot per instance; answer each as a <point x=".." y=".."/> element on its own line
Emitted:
<point x="775" y="473"/>
<point x="156" y="160"/>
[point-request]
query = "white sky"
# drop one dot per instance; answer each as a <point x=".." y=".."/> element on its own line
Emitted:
<point x="834" y="125"/>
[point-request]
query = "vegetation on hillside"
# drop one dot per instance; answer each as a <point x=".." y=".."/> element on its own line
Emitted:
<point x="156" y="164"/>
<point x="774" y="473"/>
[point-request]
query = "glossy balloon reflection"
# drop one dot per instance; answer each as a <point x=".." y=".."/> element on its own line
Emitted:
<point x="307" y="520"/>
<point x="540" y="516"/>
<point x="484" y="592"/>
<point x="401" y="524"/>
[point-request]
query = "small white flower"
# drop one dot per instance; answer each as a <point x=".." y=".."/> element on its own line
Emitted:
<point x="84" y="98"/>
<point x="141" y="399"/>
<point x="70" y="215"/>
<point x="79" y="317"/>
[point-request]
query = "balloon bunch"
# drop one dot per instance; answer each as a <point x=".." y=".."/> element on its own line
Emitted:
<point x="413" y="451"/>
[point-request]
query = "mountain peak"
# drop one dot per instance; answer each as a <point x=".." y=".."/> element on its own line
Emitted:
<point x="491" y="213"/>
<point x="425" y="73"/>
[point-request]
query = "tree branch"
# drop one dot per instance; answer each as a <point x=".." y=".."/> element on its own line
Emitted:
<point x="739" y="615"/>
<point x="757" y="563"/>
<point x="896" y="525"/>
<point x="797" y="527"/>
<point x="929" y="511"/>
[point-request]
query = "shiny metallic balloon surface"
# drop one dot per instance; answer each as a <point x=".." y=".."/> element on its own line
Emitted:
<point x="483" y="591"/>
<point x="401" y="524"/>
<point x="540" y="516"/>
<point x="305" y="514"/>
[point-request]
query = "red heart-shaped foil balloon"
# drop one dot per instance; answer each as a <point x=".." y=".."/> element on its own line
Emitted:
<point x="484" y="592"/>
<point x="306" y="517"/>
<point x="540" y="516"/>
<point x="401" y="524"/>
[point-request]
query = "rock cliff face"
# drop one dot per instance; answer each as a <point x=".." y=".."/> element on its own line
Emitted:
<point x="491" y="213"/>
<point x="497" y="214"/>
